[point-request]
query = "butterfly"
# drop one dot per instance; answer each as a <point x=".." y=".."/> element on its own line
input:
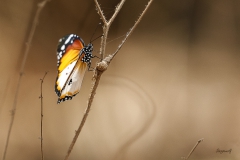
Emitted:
<point x="73" y="59"/>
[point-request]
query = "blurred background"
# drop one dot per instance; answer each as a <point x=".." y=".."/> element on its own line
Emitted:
<point x="175" y="81"/>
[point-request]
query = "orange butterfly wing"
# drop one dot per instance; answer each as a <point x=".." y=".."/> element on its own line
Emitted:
<point x="71" y="68"/>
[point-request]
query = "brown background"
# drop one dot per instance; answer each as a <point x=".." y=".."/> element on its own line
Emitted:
<point x="176" y="80"/>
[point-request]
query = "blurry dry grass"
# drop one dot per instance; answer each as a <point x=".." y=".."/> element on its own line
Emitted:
<point x="21" y="72"/>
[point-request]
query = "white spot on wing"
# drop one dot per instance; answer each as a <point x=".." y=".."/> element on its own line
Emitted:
<point x="63" y="47"/>
<point x="70" y="36"/>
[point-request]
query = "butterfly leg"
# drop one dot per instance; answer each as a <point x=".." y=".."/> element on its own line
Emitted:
<point x="97" y="57"/>
<point x="90" y="68"/>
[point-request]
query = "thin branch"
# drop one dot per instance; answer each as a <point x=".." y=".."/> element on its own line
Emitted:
<point x="118" y="8"/>
<point x="101" y="66"/>
<point x="12" y="117"/>
<point x="4" y="95"/>
<point x="132" y="29"/>
<point x="200" y="140"/>
<point x="105" y="29"/>
<point x="100" y="12"/>
<point x="26" y="52"/>
<point x="32" y="31"/>
<point x="106" y="25"/>
<point x="93" y="92"/>
<point x="41" y="97"/>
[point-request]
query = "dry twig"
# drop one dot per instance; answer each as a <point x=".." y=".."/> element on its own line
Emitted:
<point x="29" y="41"/>
<point x="200" y="140"/>
<point x="103" y="65"/>
<point x="41" y="97"/>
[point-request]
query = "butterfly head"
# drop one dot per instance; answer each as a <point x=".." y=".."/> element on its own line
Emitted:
<point x="89" y="47"/>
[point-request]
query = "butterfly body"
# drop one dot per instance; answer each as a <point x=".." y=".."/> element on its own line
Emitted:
<point x="73" y="58"/>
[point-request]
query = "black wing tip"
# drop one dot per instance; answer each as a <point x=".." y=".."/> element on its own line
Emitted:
<point x="64" y="99"/>
<point x="58" y="92"/>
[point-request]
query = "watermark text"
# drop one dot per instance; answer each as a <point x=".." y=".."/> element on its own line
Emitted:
<point x="221" y="151"/>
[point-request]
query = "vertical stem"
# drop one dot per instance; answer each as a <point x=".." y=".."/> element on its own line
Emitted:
<point x="41" y="121"/>
<point x="41" y="97"/>
<point x="104" y="41"/>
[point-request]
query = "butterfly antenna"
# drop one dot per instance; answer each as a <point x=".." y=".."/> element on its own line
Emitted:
<point x="96" y="38"/>
<point x="115" y="39"/>
<point x="94" y="33"/>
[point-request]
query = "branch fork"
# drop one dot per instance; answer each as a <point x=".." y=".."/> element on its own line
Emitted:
<point x="103" y="65"/>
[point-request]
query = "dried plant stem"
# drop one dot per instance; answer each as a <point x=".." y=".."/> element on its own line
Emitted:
<point x="131" y="29"/>
<point x="12" y="118"/>
<point x="2" y="101"/>
<point x="41" y="124"/>
<point x="29" y="41"/>
<point x="103" y="65"/>
<point x="107" y="24"/>
<point x="95" y="85"/>
<point x="200" y="140"/>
